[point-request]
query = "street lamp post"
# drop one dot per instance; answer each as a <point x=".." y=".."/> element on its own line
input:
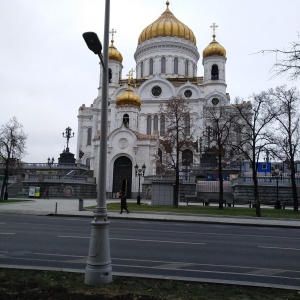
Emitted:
<point x="68" y="134"/>
<point x="139" y="172"/>
<point x="277" y="205"/>
<point x="50" y="162"/>
<point x="98" y="269"/>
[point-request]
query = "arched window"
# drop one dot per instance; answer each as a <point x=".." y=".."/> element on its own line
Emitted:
<point x="149" y="125"/>
<point x="89" y="136"/>
<point x="109" y="75"/>
<point x="88" y="162"/>
<point x="142" y="69"/>
<point x="187" y="125"/>
<point x="151" y="66"/>
<point x="155" y="125"/>
<point x="126" y="120"/>
<point x="159" y="153"/>
<point x="159" y="162"/>
<point x="186" y="68"/>
<point x="176" y="65"/>
<point x="187" y="157"/>
<point x="163" y="65"/>
<point x="214" y="72"/>
<point x="162" y="124"/>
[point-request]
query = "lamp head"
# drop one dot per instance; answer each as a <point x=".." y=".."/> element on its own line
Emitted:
<point x="93" y="42"/>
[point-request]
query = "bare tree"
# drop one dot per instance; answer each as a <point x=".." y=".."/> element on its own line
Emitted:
<point x="287" y="134"/>
<point x="287" y="60"/>
<point x="220" y="116"/>
<point x="256" y="117"/>
<point x="12" y="148"/>
<point x="176" y="136"/>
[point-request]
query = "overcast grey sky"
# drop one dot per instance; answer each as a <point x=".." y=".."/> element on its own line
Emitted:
<point x="47" y="71"/>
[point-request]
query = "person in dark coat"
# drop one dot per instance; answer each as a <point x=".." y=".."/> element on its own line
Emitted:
<point x="123" y="203"/>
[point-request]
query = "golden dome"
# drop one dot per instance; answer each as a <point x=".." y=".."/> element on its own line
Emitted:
<point x="214" y="49"/>
<point x="128" y="97"/>
<point x="167" y="25"/>
<point x="113" y="53"/>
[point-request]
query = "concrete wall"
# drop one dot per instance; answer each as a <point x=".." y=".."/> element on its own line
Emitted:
<point x="65" y="190"/>
<point x="243" y="191"/>
<point x="162" y="193"/>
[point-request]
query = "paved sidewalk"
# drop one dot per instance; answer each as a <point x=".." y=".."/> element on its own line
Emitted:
<point x="70" y="207"/>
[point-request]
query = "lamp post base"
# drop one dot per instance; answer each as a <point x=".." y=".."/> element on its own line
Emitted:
<point x="138" y="200"/>
<point x="98" y="269"/>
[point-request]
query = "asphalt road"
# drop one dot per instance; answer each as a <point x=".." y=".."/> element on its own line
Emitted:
<point x="262" y="256"/>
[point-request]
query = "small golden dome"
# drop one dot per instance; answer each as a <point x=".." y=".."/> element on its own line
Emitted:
<point x="214" y="49"/>
<point x="128" y="97"/>
<point x="113" y="53"/>
<point x="167" y="25"/>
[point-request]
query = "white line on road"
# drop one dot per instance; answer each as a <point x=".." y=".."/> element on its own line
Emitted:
<point x="7" y="233"/>
<point x="279" y="248"/>
<point x="158" y="241"/>
<point x="73" y="236"/>
<point x="206" y="233"/>
<point x="135" y="240"/>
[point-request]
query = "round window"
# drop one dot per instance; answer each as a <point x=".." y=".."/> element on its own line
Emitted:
<point x="156" y="91"/>
<point x="188" y="93"/>
<point x="215" y="101"/>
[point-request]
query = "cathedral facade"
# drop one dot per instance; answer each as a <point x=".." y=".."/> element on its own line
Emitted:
<point x="166" y="66"/>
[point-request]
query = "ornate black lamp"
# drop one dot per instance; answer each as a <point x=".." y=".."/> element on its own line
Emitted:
<point x="68" y="134"/>
<point x="139" y="172"/>
<point x="50" y="162"/>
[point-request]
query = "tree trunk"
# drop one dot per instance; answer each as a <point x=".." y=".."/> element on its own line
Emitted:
<point x="256" y="194"/>
<point x="294" y="186"/>
<point x="176" y="189"/>
<point x="4" y="183"/>
<point x="220" y="176"/>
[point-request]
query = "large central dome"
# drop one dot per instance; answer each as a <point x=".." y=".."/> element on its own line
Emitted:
<point x="167" y="25"/>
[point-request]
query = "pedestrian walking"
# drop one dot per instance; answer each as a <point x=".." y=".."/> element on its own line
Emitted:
<point x="123" y="202"/>
<point x="47" y="193"/>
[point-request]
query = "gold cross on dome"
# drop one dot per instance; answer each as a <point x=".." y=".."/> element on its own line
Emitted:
<point x="112" y="34"/>
<point x="130" y="75"/>
<point x="214" y="26"/>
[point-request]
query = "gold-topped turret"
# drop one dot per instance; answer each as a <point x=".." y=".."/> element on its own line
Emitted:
<point x="113" y="52"/>
<point x="214" y="48"/>
<point x="167" y="25"/>
<point x="129" y="97"/>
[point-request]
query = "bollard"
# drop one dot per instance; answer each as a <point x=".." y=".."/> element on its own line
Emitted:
<point x="56" y="207"/>
<point x="80" y="206"/>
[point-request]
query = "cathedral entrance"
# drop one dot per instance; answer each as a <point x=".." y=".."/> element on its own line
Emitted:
<point x="122" y="176"/>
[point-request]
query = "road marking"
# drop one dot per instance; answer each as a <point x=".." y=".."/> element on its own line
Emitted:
<point x="7" y="233"/>
<point x="174" y="266"/>
<point x="279" y="248"/>
<point x="74" y="236"/>
<point x="240" y="273"/>
<point x="205" y="233"/>
<point x="132" y="240"/>
<point x="157" y="241"/>
<point x="267" y="272"/>
<point x="61" y="255"/>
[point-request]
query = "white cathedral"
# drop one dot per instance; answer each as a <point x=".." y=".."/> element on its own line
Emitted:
<point x="166" y="66"/>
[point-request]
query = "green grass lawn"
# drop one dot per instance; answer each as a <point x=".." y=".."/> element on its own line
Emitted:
<point x="27" y="284"/>
<point x="14" y="201"/>
<point x="209" y="210"/>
